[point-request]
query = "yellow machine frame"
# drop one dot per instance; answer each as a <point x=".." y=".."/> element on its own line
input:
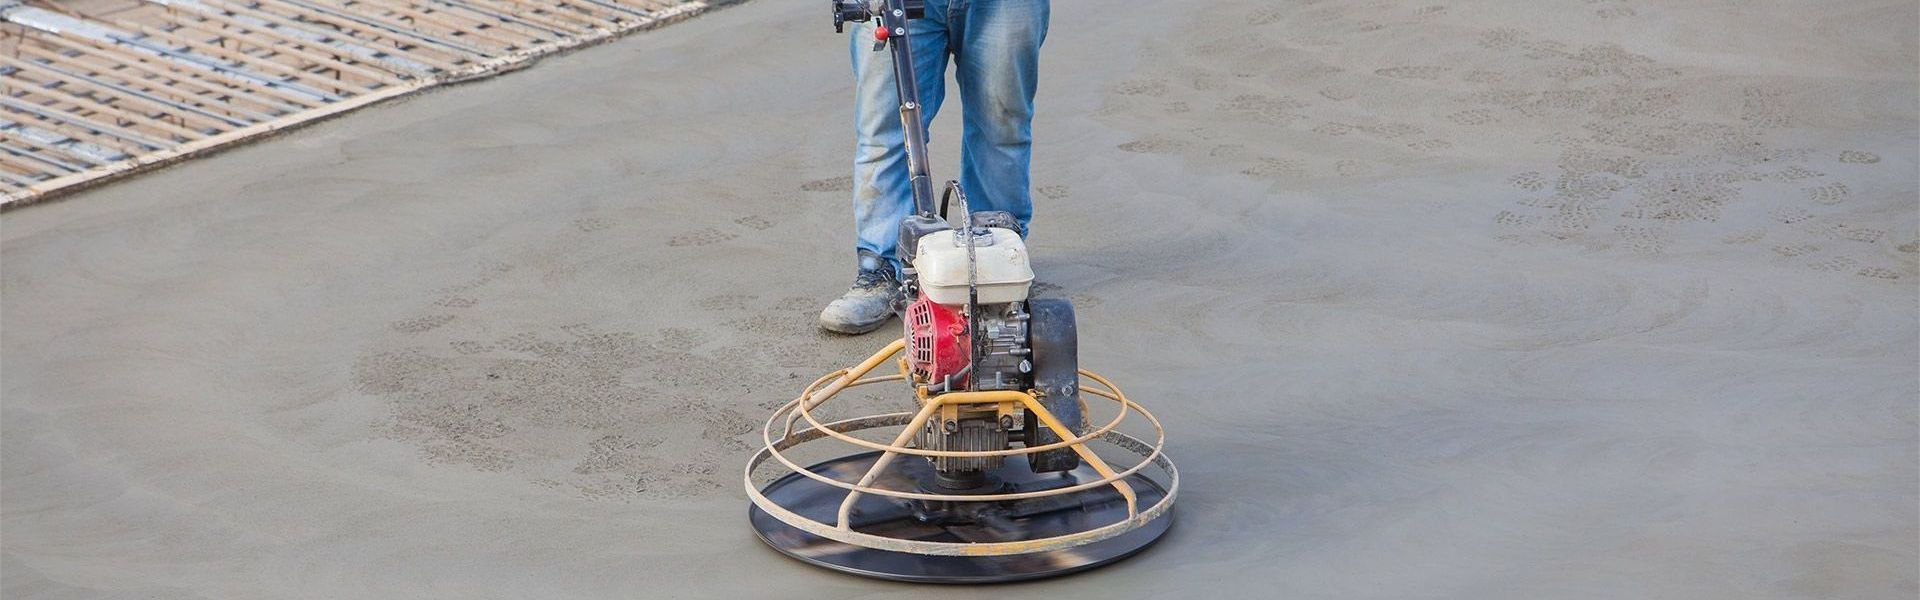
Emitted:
<point x="948" y="405"/>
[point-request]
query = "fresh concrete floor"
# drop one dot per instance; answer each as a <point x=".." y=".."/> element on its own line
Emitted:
<point x="1541" y="299"/>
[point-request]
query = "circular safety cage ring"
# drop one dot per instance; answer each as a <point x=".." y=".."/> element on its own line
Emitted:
<point x="1150" y="453"/>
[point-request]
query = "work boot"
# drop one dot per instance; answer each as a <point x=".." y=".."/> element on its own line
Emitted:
<point x="868" y="303"/>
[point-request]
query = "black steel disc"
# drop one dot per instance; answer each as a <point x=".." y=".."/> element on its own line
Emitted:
<point x="985" y="522"/>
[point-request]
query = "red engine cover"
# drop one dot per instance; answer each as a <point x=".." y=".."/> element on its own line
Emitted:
<point x="938" y="340"/>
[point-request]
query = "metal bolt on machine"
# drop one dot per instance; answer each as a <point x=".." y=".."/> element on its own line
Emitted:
<point x="1000" y="479"/>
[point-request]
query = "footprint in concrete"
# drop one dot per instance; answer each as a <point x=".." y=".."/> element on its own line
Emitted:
<point x="1227" y="151"/>
<point x="421" y="324"/>
<point x="1415" y="72"/>
<point x="1858" y="157"/>
<point x="1477" y="116"/>
<point x="754" y="222"/>
<point x="1352" y="168"/>
<point x="592" y="224"/>
<point x="1503" y="38"/>
<point x="1792" y="250"/>
<point x="1153" y="87"/>
<point x="1153" y="146"/>
<point x="1275" y="167"/>
<point x="705" y="236"/>
<point x="1837" y="263"/>
<point x="615" y="453"/>
<point x="1333" y="129"/>
<point x="1788" y="215"/>
<point x="1337" y="94"/>
<point x="1643" y="240"/>
<point x="1392" y="130"/>
<point x="1765" y="108"/>
<point x="1054" y="192"/>
<point x="835" y="184"/>
<point x="1480" y="76"/>
<point x="1272" y="109"/>
<point x="1266" y="16"/>
<point x="1796" y="173"/>
<point x="1852" y="233"/>
<point x="1530" y="181"/>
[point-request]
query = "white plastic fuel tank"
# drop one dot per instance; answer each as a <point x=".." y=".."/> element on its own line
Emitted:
<point x="1004" y="273"/>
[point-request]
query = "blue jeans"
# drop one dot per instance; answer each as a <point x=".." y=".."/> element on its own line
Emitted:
<point x="995" y="47"/>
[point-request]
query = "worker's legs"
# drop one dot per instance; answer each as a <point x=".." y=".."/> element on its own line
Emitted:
<point x="882" y="194"/>
<point x="997" y="65"/>
<point x="882" y="191"/>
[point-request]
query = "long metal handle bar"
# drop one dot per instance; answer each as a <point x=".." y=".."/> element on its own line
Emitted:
<point x="894" y="16"/>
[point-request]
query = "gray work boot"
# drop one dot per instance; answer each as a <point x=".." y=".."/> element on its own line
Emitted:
<point x="868" y="303"/>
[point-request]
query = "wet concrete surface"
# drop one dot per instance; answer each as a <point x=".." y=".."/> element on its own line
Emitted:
<point x="1598" y="298"/>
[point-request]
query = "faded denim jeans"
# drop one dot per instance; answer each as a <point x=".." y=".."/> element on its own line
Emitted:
<point x="995" y="49"/>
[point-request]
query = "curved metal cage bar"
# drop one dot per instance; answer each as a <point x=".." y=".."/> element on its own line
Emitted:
<point x="815" y="394"/>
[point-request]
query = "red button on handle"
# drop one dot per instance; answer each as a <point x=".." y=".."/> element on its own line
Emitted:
<point x="880" y="33"/>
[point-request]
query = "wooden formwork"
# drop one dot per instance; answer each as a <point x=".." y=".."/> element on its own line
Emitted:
<point x="94" y="89"/>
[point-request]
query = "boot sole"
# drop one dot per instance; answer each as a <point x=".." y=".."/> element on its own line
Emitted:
<point x="855" y="328"/>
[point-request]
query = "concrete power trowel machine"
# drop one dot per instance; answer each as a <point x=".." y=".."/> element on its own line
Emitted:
<point x="1000" y="480"/>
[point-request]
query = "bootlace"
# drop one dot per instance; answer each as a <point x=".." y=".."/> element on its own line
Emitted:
<point x="873" y="278"/>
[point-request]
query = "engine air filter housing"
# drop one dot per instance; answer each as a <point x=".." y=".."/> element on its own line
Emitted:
<point x="1001" y="256"/>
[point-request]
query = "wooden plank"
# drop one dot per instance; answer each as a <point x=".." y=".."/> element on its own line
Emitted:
<point x="651" y="6"/>
<point x="280" y="45"/>
<point x="601" y="13"/>
<point x="186" y="119"/>
<point x="78" y="158"/>
<point x="536" y="31"/>
<point x="626" y="13"/>
<point x="76" y="120"/>
<point x="92" y="137"/>
<point x="342" y="34"/>
<point x="23" y="167"/>
<point x="108" y="93"/>
<point x="592" y="15"/>
<point x="187" y="114"/>
<point x="573" y="29"/>
<point x="91" y="104"/>
<point x="39" y="158"/>
<point x="403" y="30"/>
<point x="571" y="21"/>
<point x="177" y="78"/>
<point x="338" y="87"/>
<point x="520" y="34"/>
<point x="148" y="85"/>
<point x="316" y="50"/>
<point x="16" y="182"/>
<point x="348" y="27"/>
<point x="446" y="23"/>
<point x="157" y="62"/>
<point x="79" y="133"/>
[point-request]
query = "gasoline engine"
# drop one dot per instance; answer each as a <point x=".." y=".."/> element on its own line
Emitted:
<point x="971" y="326"/>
